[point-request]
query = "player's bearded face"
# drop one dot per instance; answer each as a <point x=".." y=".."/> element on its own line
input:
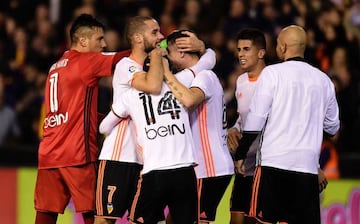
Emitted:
<point x="148" y="46"/>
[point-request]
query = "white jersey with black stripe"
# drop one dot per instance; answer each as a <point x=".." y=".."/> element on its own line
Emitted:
<point x="297" y="102"/>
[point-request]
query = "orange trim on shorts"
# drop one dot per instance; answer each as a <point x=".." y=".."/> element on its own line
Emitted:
<point x="135" y="200"/>
<point x="205" y="141"/>
<point x="100" y="181"/>
<point x="119" y="140"/>
<point x="255" y="191"/>
<point x="199" y="188"/>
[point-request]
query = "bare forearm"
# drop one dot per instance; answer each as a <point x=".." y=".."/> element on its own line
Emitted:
<point x="181" y="92"/>
<point x="155" y="75"/>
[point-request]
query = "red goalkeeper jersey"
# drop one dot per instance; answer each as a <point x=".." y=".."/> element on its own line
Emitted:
<point x="71" y="94"/>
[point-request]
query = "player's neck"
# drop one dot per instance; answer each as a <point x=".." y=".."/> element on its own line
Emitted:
<point x="191" y="61"/>
<point x="254" y="73"/>
<point x="138" y="56"/>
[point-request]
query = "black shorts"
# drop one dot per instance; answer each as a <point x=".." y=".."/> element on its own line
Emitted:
<point x="175" y="188"/>
<point x="241" y="194"/>
<point x="211" y="190"/>
<point x="285" y="196"/>
<point x="116" y="188"/>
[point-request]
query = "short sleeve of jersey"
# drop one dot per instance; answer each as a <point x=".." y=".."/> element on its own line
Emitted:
<point x="99" y="63"/>
<point x="185" y="77"/>
<point x="261" y="102"/>
<point x="120" y="106"/>
<point x="204" y="80"/>
<point x="124" y="72"/>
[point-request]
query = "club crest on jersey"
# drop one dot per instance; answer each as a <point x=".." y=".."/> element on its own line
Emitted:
<point x="109" y="207"/>
<point x="133" y="69"/>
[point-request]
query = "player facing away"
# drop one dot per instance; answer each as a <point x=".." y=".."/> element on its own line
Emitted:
<point x="166" y="146"/>
<point x="120" y="164"/>
<point x="204" y="100"/>
<point x="293" y="104"/>
<point x="68" y="150"/>
<point x="251" y="47"/>
<point x="119" y="153"/>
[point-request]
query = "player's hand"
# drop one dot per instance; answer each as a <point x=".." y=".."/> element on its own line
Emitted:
<point x="166" y="65"/>
<point x="191" y="43"/>
<point x="322" y="180"/>
<point x="156" y="52"/>
<point x="233" y="137"/>
<point x="239" y="167"/>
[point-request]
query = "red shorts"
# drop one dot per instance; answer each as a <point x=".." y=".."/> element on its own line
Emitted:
<point x="55" y="187"/>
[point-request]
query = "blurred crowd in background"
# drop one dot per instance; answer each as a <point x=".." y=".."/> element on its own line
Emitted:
<point x="34" y="34"/>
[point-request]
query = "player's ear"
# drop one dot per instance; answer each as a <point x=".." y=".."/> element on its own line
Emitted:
<point x="261" y="53"/>
<point x="182" y="54"/>
<point x="138" y="37"/>
<point x="83" y="41"/>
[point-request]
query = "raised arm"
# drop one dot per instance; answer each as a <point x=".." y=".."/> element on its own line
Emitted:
<point x="151" y="82"/>
<point x="189" y="97"/>
<point x="193" y="44"/>
<point x="190" y="43"/>
<point x="207" y="62"/>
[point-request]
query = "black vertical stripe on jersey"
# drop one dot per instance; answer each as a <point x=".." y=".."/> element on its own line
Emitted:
<point x="87" y="117"/>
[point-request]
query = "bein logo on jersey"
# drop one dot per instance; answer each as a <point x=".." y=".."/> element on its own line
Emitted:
<point x="56" y="120"/>
<point x="163" y="131"/>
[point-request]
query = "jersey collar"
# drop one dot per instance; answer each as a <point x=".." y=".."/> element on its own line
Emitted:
<point x="296" y="59"/>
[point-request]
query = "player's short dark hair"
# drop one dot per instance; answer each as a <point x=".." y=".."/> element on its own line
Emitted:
<point x="178" y="34"/>
<point x="256" y="36"/>
<point x="175" y="35"/>
<point x="136" y="24"/>
<point x="84" y="21"/>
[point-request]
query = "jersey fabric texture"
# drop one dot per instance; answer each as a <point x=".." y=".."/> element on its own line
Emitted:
<point x="70" y="125"/>
<point x="297" y="103"/>
<point x="120" y="144"/>
<point x="163" y="129"/>
<point x="208" y="124"/>
<point x="245" y="87"/>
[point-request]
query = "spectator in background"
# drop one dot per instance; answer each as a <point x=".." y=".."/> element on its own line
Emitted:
<point x="114" y="44"/>
<point x="329" y="159"/>
<point x="8" y="119"/>
<point x="347" y="93"/>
